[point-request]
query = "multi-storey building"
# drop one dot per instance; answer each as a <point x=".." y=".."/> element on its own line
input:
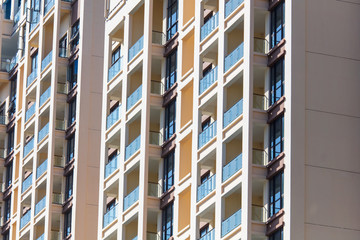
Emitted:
<point x="50" y="93"/>
<point x="219" y="119"/>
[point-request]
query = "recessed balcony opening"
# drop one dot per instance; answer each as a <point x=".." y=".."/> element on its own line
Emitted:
<point x="45" y="90"/>
<point x="29" y="140"/>
<point x="206" y="176"/>
<point x="40" y="198"/>
<point x="112" y="236"/>
<point x="56" y="223"/>
<point x="64" y="50"/>
<point x="260" y="145"/>
<point x="30" y="105"/>
<point x="210" y="17"/>
<point x="27" y="176"/>
<point x="25" y="212"/>
<point x="47" y="44"/>
<point x="206" y="224"/>
<point x="112" y="158"/>
<point x="57" y="195"/>
<point x="111" y="200"/>
<point x="155" y="135"/>
<point x="116" y="52"/>
<point x="114" y="105"/>
<point x="207" y="117"/>
<point x="136" y="41"/>
<point x="155" y="181"/>
<point x="42" y="161"/>
<point x="62" y="86"/>
<point x="59" y="154"/>
<point x="232" y="161"/>
<point x="208" y="71"/>
<point x="157" y="76"/>
<point x="43" y="125"/>
<point x="234" y="44"/>
<point x="60" y="121"/>
<point x="259" y="206"/>
<point x="133" y="136"/>
<point x="3" y="152"/>
<point x="9" y="52"/>
<point x="233" y="100"/>
<point x="261" y="43"/>
<point x="158" y="35"/>
<point x="26" y="236"/>
<point x="134" y="87"/>
<point x="261" y="93"/>
<point x="131" y="229"/>
<point x="39" y="231"/>
<point x="153" y="227"/>
<point x="231" y="211"/>
<point x="131" y="188"/>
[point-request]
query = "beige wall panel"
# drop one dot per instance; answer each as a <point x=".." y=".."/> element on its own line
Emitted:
<point x="317" y="232"/>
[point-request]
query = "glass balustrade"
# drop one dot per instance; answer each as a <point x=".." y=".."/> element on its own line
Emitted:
<point x="206" y="135"/>
<point x="132" y="148"/>
<point x="206" y="187"/>
<point x="208" y="79"/>
<point x="232" y="167"/>
<point x="235" y="111"/>
<point x="131" y="198"/>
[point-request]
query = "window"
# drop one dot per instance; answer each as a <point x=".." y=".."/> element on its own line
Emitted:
<point x="277" y="24"/>
<point x="110" y="205"/>
<point x="12" y="104"/>
<point x="73" y="72"/>
<point x="115" y="56"/>
<point x="204" y="177"/>
<point x="170" y="111"/>
<point x="67" y="223"/>
<point x="75" y="36"/>
<point x="7" y="211"/>
<point x="167" y="222"/>
<point x="168" y="180"/>
<point x="68" y="186"/>
<point x="6" y="236"/>
<point x="7" y="9"/>
<point x="10" y="146"/>
<point x="276" y="194"/>
<point x="205" y="124"/>
<point x="9" y="170"/>
<point x="2" y="114"/>
<point x="171" y="70"/>
<point x="72" y="112"/>
<point x="277" y="81"/>
<point x="276" y="137"/>
<point x="172" y="18"/>
<point x="70" y="148"/>
<point x="63" y="47"/>
<point x="34" y="60"/>
<point x="278" y="235"/>
<point x="204" y="230"/>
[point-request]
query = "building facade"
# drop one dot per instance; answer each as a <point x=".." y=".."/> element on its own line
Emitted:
<point x="51" y="71"/>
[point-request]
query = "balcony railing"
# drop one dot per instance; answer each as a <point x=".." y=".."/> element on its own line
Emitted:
<point x="206" y="135"/>
<point x="31" y="78"/>
<point x="26" y="183"/>
<point x="152" y="236"/>
<point x="158" y="38"/>
<point x="113" y="117"/>
<point x="56" y="235"/>
<point x="209" y="236"/>
<point x="261" y="45"/>
<point x="45" y="96"/>
<point x="260" y="102"/>
<point x="35" y="18"/>
<point x="231" y="5"/>
<point x="40" y="205"/>
<point x="231" y="223"/>
<point x="59" y="161"/>
<point x="132" y="147"/>
<point x="209" y="26"/>
<point x="62" y="88"/>
<point x="131" y="198"/>
<point x="232" y="167"/>
<point x="155" y="138"/>
<point x="206" y="187"/>
<point x="48" y="5"/>
<point x="260" y="157"/>
<point x="57" y="198"/>
<point x="8" y="64"/>
<point x="28" y="147"/>
<point x="136" y="48"/>
<point x="234" y="57"/>
<point x="208" y="79"/>
<point x="46" y="61"/>
<point x="259" y="213"/>
<point x="25" y="219"/>
<point x="30" y="112"/>
<point x="134" y="97"/>
<point x="42" y="237"/>
<point x="115" y="68"/>
<point x="41" y="169"/>
<point x="157" y="87"/>
<point x="154" y="189"/>
<point x="235" y="111"/>
<point x="111" y="166"/>
<point x="43" y="132"/>
<point x="110" y="215"/>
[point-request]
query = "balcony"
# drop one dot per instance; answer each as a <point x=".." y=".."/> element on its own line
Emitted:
<point x="111" y="166"/>
<point x="131" y="198"/>
<point x="57" y="198"/>
<point x="41" y="169"/>
<point x="209" y="236"/>
<point x="59" y="161"/>
<point x="45" y="96"/>
<point x="113" y="117"/>
<point x="232" y="167"/>
<point x="132" y="147"/>
<point x="154" y="189"/>
<point x="261" y="45"/>
<point x="155" y="138"/>
<point x="134" y="98"/>
<point x="208" y="79"/>
<point x="35" y="18"/>
<point x="234" y="57"/>
<point x="115" y="69"/>
<point x="8" y="64"/>
<point x="207" y="187"/>
<point x="48" y="5"/>
<point x="25" y="219"/>
<point x="46" y="61"/>
<point x="235" y="111"/>
<point x="136" y="48"/>
<point x="158" y="38"/>
<point x="56" y="235"/>
<point x="231" y="223"/>
<point x="206" y="135"/>
<point x="30" y="112"/>
<point x="260" y="157"/>
<point x="231" y="5"/>
<point x="209" y="26"/>
<point x="157" y="87"/>
<point x="110" y="215"/>
<point x="28" y="147"/>
<point x="259" y="213"/>
<point x="31" y="77"/>
<point x="43" y="132"/>
<point x="26" y="183"/>
<point x="40" y="205"/>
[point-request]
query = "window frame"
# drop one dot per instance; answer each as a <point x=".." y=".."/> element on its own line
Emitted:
<point x="167" y="222"/>
<point x="170" y="120"/>
<point x="278" y="67"/>
<point x="275" y="142"/>
<point x="7" y="209"/>
<point x="73" y="74"/>
<point x="69" y="184"/>
<point x="67" y="223"/>
<point x="70" y="153"/>
<point x="172" y="24"/>
<point x="9" y="175"/>
<point x="115" y="55"/>
<point x="72" y="112"/>
<point x="273" y="29"/>
<point x="171" y="70"/>
<point x="168" y="171"/>
<point x="275" y="182"/>
<point x="278" y="235"/>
